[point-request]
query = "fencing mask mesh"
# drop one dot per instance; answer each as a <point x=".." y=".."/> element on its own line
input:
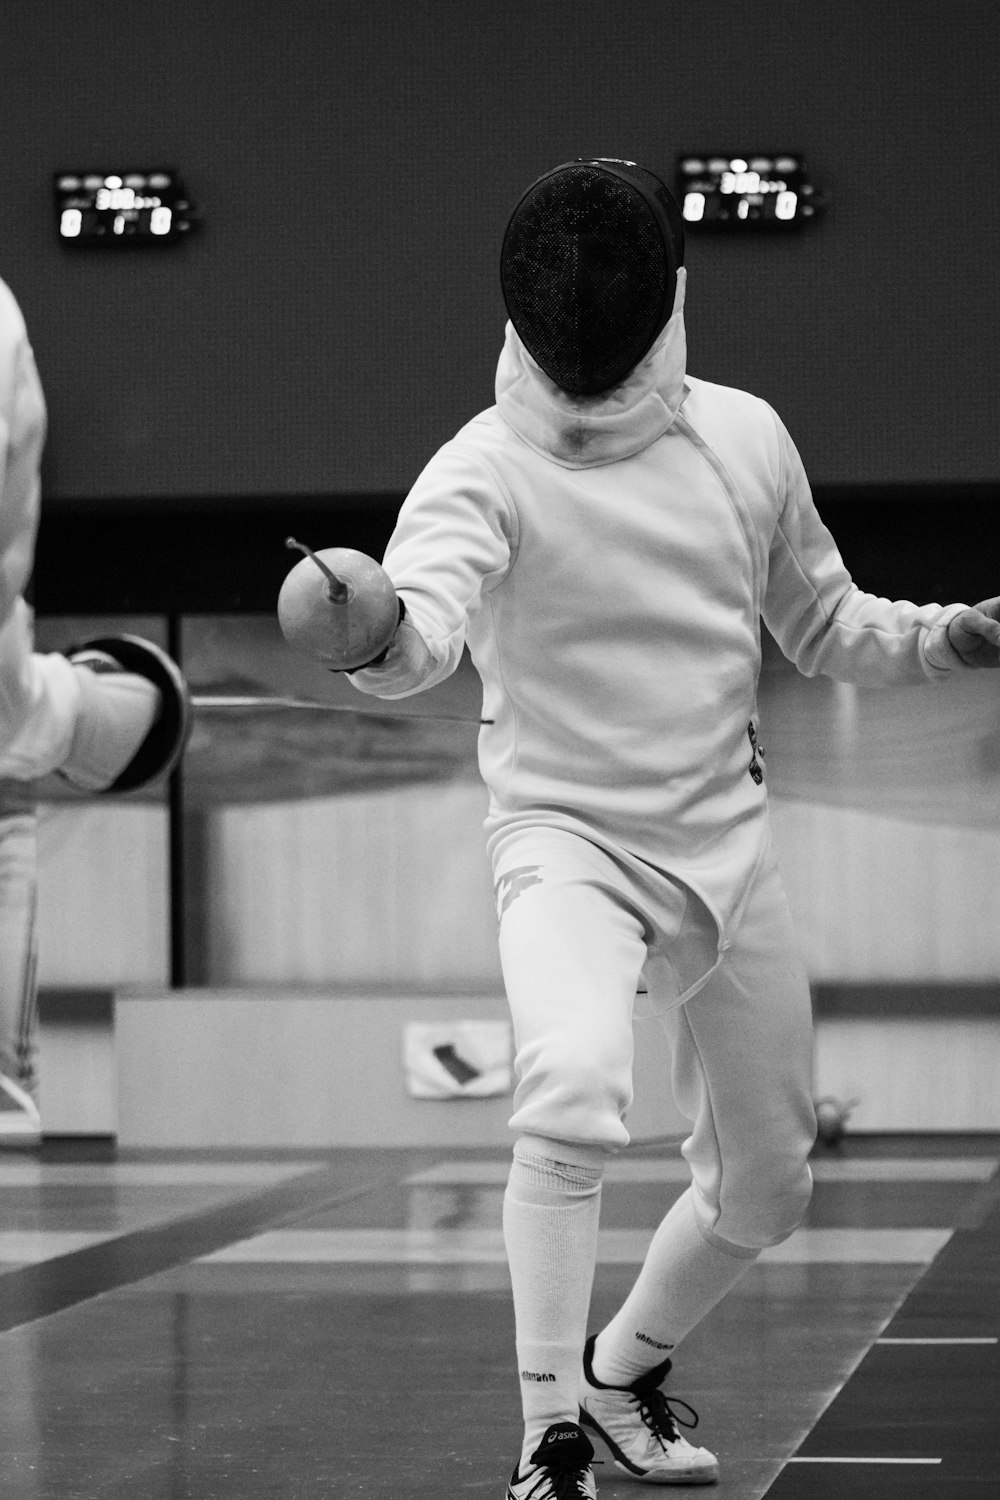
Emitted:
<point x="589" y="268"/>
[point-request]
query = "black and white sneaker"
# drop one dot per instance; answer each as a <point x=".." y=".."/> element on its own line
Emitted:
<point x="639" y="1425"/>
<point x="560" y="1468"/>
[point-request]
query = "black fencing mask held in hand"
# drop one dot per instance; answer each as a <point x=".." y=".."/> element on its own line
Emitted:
<point x="589" y="270"/>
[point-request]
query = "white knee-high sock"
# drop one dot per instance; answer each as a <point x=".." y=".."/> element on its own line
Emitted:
<point x="550" y="1220"/>
<point x="682" y="1278"/>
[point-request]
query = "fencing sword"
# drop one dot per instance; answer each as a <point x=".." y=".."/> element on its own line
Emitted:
<point x="228" y="702"/>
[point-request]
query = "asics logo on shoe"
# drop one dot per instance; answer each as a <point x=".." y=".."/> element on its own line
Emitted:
<point x="535" y="1375"/>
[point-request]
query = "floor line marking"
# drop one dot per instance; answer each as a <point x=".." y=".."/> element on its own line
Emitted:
<point x="43" y="1174"/>
<point x="479" y="1244"/>
<point x="37" y="1290"/>
<point x="676" y="1169"/>
<point x="29" y="1247"/>
<point x="799" y="1460"/>
<point x="938" y="1341"/>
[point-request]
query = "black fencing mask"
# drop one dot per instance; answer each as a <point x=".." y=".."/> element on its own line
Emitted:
<point x="589" y="270"/>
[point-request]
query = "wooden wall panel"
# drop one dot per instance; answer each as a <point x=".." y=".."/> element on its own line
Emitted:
<point x="102" y="894"/>
<point x="885" y="898"/>
<point x="912" y="1075"/>
<point x="381" y="889"/>
<point x="394" y="889"/>
<point x="277" y="1068"/>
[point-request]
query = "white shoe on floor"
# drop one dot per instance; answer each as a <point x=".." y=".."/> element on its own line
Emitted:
<point x="639" y="1427"/>
<point x="20" y="1122"/>
<point x="560" y="1468"/>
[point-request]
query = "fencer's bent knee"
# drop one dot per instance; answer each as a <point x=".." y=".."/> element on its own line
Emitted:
<point x="787" y="1203"/>
<point x="755" y="1209"/>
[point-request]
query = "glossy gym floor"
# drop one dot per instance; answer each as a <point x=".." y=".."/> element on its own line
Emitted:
<point x="338" y="1325"/>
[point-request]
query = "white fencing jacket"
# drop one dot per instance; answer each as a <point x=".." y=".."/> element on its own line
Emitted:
<point x="608" y="560"/>
<point x="39" y="694"/>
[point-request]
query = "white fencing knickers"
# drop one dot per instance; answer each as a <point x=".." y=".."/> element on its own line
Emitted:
<point x="576" y="927"/>
<point x="18" y="934"/>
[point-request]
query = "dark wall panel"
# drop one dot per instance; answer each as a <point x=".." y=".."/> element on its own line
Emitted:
<point x="338" y="316"/>
<point x="923" y="543"/>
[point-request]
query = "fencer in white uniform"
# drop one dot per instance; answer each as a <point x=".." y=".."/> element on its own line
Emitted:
<point x="111" y="716"/>
<point x="607" y="557"/>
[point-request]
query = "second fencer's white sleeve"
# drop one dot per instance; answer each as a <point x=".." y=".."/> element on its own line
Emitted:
<point x="38" y="694"/>
<point x="22" y="437"/>
<point x="454" y="539"/>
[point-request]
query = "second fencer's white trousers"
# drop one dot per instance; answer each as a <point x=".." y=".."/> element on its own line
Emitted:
<point x="18" y="935"/>
<point x="577" y="927"/>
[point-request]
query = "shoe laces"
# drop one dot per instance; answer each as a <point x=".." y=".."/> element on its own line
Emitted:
<point x="560" y="1483"/>
<point x="563" y="1467"/>
<point x="658" y="1411"/>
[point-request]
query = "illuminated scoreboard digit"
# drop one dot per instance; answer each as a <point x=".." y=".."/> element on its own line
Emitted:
<point x="746" y="192"/>
<point x="121" y="208"/>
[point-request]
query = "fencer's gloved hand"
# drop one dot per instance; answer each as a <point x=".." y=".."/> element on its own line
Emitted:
<point x="133" y="715"/>
<point x="975" y="634"/>
<point x="376" y="661"/>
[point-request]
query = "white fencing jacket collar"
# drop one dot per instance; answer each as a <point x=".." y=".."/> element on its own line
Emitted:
<point x="583" y="431"/>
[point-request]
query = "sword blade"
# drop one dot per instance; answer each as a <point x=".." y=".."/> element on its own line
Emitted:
<point x="213" y="702"/>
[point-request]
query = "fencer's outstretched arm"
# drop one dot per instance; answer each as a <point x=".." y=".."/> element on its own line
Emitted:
<point x="454" y="538"/>
<point x="457" y="536"/>
<point x="39" y="695"/>
<point x="825" y="623"/>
